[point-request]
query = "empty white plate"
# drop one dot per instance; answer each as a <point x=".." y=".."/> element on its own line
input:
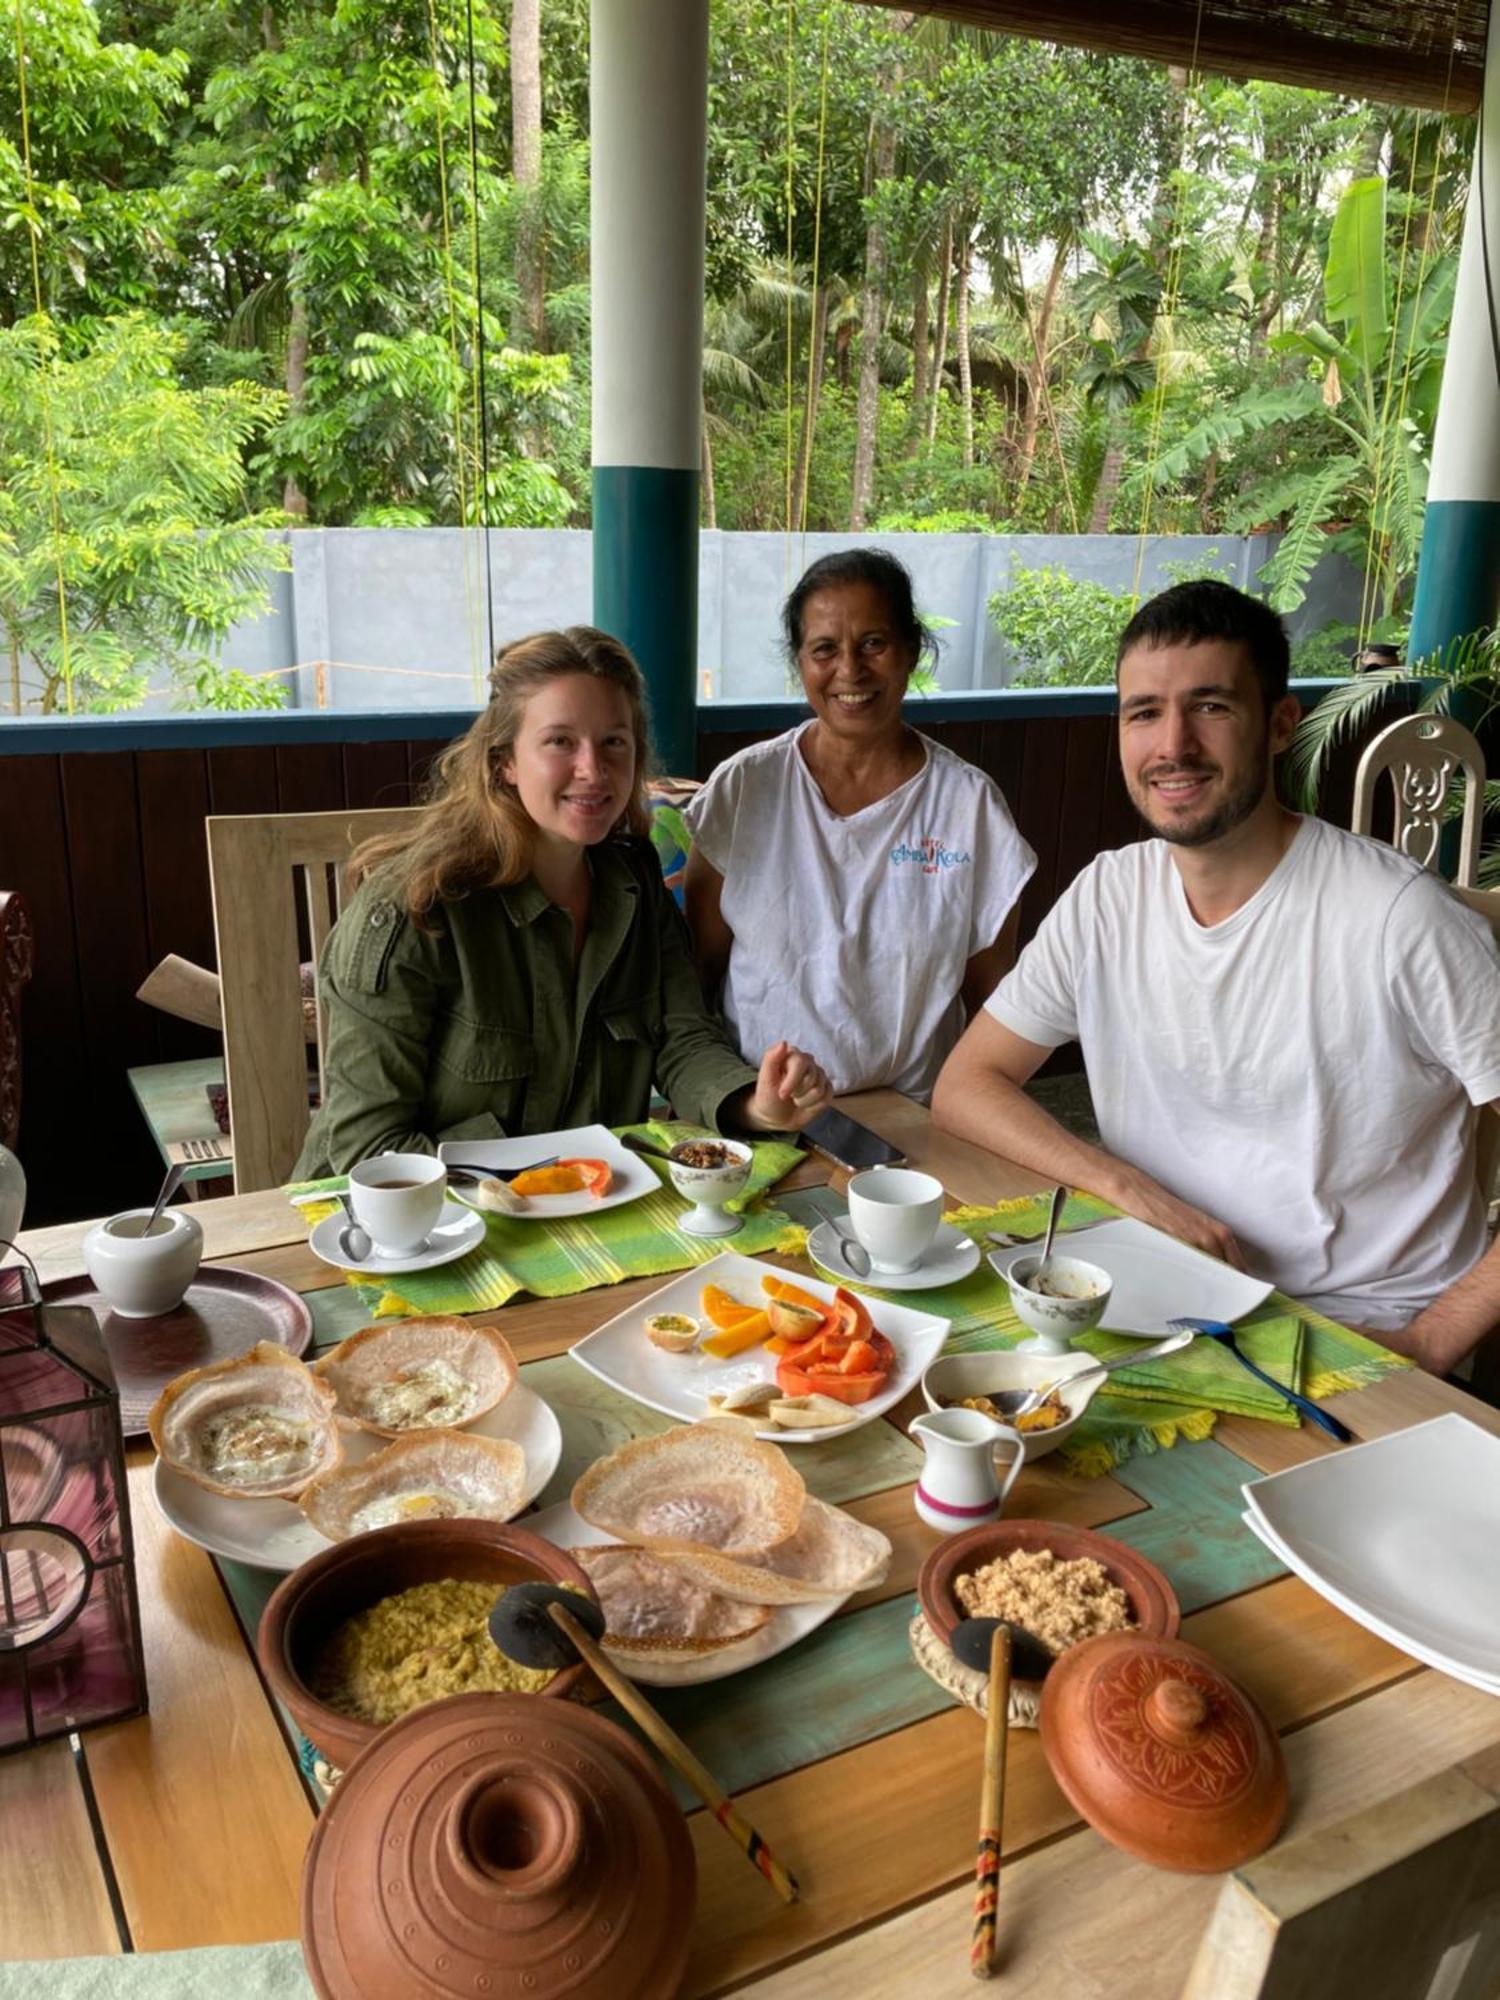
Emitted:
<point x="459" y="1231"/>
<point x="1403" y="1534"/>
<point x="1155" y="1278"/>
<point x="787" y="1624"/>
<point x="679" y="1385"/>
<point x="633" y="1177"/>
<point x="272" y="1534"/>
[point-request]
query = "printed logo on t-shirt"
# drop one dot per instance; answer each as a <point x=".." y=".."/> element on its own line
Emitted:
<point x="929" y="854"/>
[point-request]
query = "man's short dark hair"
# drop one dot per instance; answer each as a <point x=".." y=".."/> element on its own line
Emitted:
<point x="1190" y="613"/>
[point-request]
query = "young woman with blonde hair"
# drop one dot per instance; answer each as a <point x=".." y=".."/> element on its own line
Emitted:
<point x="514" y="964"/>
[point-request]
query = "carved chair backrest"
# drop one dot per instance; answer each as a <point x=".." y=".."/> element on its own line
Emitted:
<point x="259" y="864"/>
<point x="1396" y="1902"/>
<point x="1423" y="754"/>
<point x="17" y="958"/>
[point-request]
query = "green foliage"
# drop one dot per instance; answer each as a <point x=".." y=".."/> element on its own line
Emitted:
<point x="946" y="521"/>
<point x="121" y="502"/>
<point x="1063" y="630"/>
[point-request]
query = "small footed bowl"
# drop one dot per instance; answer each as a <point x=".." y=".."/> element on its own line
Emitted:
<point x="710" y="1187"/>
<point x="954" y="1377"/>
<point x="1057" y="1316"/>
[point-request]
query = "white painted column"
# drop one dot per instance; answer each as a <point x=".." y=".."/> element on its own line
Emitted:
<point x="649" y="138"/>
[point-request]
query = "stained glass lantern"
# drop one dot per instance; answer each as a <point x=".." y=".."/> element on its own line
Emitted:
<point x="70" y="1625"/>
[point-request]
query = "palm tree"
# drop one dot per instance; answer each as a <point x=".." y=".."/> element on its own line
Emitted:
<point x="1119" y="298"/>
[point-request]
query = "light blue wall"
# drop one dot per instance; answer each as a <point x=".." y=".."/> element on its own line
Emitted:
<point x="399" y="613"/>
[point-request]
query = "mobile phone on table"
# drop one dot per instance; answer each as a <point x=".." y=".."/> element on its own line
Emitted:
<point x="849" y="1144"/>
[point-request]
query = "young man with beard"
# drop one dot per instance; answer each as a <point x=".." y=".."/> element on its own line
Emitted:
<point x="1290" y="1031"/>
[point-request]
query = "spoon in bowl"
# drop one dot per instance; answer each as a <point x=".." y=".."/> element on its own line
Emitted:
<point x="1054" y="1214"/>
<point x="1013" y="1403"/>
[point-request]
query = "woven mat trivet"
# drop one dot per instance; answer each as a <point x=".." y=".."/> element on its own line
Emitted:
<point x="936" y="1661"/>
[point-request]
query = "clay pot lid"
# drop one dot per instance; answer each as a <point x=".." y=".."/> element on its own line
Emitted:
<point x="1162" y="1752"/>
<point x="499" y="1844"/>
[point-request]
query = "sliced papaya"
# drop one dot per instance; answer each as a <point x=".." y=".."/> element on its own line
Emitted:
<point x="595" y="1175"/>
<point x="853" y="1315"/>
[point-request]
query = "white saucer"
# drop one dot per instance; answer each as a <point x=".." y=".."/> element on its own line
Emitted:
<point x="459" y="1231"/>
<point x="274" y="1534"/>
<point x="951" y="1257"/>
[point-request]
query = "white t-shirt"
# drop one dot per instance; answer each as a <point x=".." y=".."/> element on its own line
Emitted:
<point x="1306" y="1071"/>
<point x="851" y="934"/>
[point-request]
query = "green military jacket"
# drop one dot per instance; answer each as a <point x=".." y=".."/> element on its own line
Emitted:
<point x="485" y="1028"/>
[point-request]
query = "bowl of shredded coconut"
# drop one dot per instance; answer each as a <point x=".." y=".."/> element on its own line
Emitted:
<point x="1059" y="1583"/>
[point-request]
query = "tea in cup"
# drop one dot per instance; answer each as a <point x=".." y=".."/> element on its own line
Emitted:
<point x="142" y="1273"/>
<point x="895" y="1212"/>
<point x="398" y="1198"/>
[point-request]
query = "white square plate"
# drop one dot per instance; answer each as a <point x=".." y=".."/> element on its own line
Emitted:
<point x="1485" y="1683"/>
<point x="786" y="1625"/>
<point x="679" y="1385"/>
<point x="632" y="1176"/>
<point x="1155" y="1278"/>
<point x="1403" y="1534"/>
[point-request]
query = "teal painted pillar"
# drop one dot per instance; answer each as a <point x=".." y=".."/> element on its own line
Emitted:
<point x="1458" y="576"/>
<point x="648" y="95"/>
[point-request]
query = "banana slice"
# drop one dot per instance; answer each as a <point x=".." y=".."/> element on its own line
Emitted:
<point x="808" y="1413"/>
<point x="500" y="1196"/>
<point x="751" y="1399"/>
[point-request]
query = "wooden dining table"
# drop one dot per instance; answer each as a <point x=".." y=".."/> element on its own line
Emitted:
<point x="188" y="1826"/>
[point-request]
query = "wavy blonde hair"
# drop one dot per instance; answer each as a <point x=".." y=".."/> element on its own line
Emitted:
<point x="474" y="832"/>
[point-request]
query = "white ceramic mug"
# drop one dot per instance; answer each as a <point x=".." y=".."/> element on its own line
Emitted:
<point x="398" y="1198"/>
<point x="142" y="1276"/>
<point x="895" y="1214"/>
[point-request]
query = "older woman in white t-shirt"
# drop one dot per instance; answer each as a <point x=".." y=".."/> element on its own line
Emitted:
<point x="852" y="884"/>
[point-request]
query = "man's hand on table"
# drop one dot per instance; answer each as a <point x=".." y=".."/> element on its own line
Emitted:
<point x="1138" y="1195"/>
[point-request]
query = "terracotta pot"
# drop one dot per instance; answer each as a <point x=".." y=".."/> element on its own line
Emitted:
<point x="350" y="1575"/>
<point x="505" y="1845"/>
<point x="1163" y="1753"/>
<point x="1152" y="1599"/>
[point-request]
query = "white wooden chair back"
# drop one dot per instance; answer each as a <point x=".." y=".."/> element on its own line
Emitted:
<point x="1422" y="753"/>
<point x="259" y="864"/>
<point x="1400" y="1901"/>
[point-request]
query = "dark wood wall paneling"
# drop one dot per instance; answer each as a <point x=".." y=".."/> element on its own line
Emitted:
<point x="109" y="849"/>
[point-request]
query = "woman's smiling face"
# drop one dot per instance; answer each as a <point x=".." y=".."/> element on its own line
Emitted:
<point x="573" y="759"/>
<point x="853" y="662"/>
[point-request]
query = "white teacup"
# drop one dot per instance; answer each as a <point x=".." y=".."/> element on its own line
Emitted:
<point x="142" y="1276"/>
<point x="398" y="1198"/>
<point x="895" y="1213"/>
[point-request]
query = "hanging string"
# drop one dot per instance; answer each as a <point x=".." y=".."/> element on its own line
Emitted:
<point x="1168" y="312"/>
<point x="476" y="668"/>
<point x="1428" y="232"/>
<point x="791" y="24"/>
<point x="481" y="394"/>
<point x="49" y="436"/>
<point x="805" y="467"/>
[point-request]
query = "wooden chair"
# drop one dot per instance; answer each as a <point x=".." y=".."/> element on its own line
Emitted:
<point x="1422" y="753"/>
<point x="259" y="864"/>
<point x="1398" y="1902"/>
<point x="17" y="958"/>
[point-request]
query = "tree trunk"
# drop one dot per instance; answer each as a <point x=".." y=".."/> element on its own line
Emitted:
<point x="293" y="499"/>
<point x="940" y="338"/>
<point x="1036" y="372"/>
<point x="710" y="509"/>
<point x="526" y="164"/>
<point x="917" y="416"/>
<point x="961" y="334"/>
<point x="814" y="391"/>
<point x="1109" y="484"/>
<point x="872" y="317"/>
